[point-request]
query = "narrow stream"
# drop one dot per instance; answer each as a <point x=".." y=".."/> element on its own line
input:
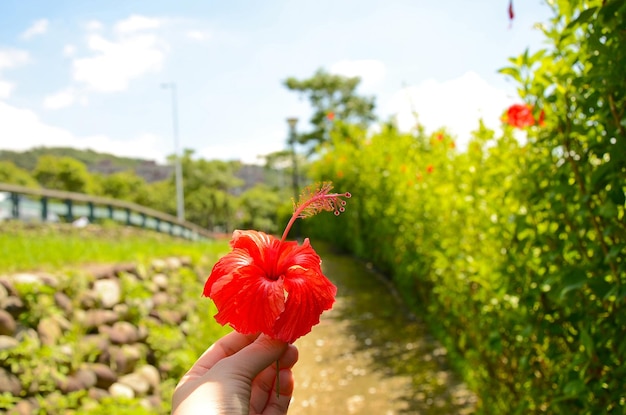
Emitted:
<point x="369" y="356"/>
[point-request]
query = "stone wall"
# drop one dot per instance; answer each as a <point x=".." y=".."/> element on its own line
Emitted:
<point x="89" y="336"/>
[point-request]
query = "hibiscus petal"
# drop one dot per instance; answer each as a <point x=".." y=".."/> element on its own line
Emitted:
<point x="258" y="244"/>
<point x="309" y="294"/>
<point x="248" y="301"/>
<point x="225" y="266"/>
<point x="303" y="255"/>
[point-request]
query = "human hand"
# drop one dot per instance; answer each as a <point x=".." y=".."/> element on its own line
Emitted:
<point x="237" y="375"/>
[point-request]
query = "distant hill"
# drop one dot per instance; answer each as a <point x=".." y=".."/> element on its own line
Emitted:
<point x="96" y="162"/>
<point x="28" y="159"/>
<point x="149" y="170"/>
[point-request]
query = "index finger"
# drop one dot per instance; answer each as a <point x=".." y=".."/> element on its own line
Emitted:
<point x="224" y="347"/>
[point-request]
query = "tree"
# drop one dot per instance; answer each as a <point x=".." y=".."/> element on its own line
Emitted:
<point x="125" y="185"/>
<point x="258" y="207"/>
<point x="208" y="191"/>
<point x="63" y="173"/>
<point x="10" y="173"/>
<point x="333" y="97"/>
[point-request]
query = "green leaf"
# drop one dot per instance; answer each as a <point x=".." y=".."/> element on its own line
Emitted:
<point x="573" y="280"/>
<point x="587" y="341"/>
<point x="582" y="18"/>
<point x="512" y="72"/>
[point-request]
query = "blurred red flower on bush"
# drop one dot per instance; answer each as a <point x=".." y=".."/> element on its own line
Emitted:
<point x="519" y="116"/>
<point x="542" y="119"/>
<point x="330" y="116"/>
<point x="429" y="168"/>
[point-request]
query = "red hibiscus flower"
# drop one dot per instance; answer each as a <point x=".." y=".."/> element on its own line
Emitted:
<point x="520" y="116"/>
<point x="274" y="286"/>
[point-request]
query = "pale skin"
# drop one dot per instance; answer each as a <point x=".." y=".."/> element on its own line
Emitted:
<point x="237" y="376"/>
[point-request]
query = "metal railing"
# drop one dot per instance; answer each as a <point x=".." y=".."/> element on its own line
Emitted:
<point x="51" y="205"/>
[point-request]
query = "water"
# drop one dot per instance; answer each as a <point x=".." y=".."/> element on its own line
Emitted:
<point x="370" y="356"/>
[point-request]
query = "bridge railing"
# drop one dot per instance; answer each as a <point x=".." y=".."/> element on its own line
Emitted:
<point x="51" y="205"/>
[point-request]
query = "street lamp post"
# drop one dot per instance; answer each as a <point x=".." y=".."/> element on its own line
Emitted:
<point x="180" y="203"/>
<point x="292" y="121"/>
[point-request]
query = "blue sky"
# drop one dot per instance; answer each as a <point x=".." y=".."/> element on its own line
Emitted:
<point x="88" y="74"/>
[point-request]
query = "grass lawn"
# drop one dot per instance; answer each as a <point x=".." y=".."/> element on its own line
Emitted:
<point x="52" y="246"/>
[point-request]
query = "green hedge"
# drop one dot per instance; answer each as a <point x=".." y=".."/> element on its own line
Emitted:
<point x="513" y="249"/>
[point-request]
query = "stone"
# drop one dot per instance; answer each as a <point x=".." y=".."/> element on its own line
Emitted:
<point x="8" y="285"/>
<point x="87" y="300"/>
<point x="49" y="331"/>
<point x="150" y="374"/>
<point x="8" y="342"/>
<point x="96" y="318"/>
<point x="120" y="390"/>
<point x="9" y="383"/>
<point x="122" y="332"/>
<point x="158" y="265"/>
<point x="161" y="281"/>
<point x="160" y="298"/>
<point x="4" y="293"/>
<point x="123" y="359"/>
<point x="80" y="380"/>
<point x="98" y="393"/>
<point x="105" y="376"/>
<point x="63" y="302"/>
<point x="26" y="333"/>
<point x="172" y="317"/>
<point x="173" y="263"/>
<point x="95" y="341"/>
<point x="24" y="407"/>
<point x="7" y="323"/>
<point x="26" y="279"/>
<point x="136" y="382"/>
<point x="13" y="305"/>
<point x="108" y="291"/>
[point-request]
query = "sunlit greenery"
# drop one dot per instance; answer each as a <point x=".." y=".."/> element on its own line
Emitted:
<point x="24" y="247"/>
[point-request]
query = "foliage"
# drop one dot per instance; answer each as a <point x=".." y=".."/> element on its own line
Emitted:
<point x="332" y="97"/>
<point x="63" y="173"/>
<point x="515" y="253"/>
<point x="173" y="347"/>
<point x="10" y="173"/>
<point x="125" y="185"/>
<point x="258" y="208"/>
<point x="208" y="188"/>
<point x="24" y="247"/>
<point x="212" y="189"/>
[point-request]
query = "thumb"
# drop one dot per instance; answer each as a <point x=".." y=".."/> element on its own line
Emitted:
<point x="255" y="357"/>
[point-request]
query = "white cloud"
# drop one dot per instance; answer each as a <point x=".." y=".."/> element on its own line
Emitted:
<point x="94" y="26"/>
<point x="136" y="23"/>
<point x="39" y="27"/>
<point x="117" y="62"/>
<point x="246" y="151"/>
<point x="457" y="104"/>
<point x="371" y="71"/>
<point x="69" y="50"/>
<point x="10" y="58"/>
<point x="21" y="129"/>
<point x="198" y="35"/>
<point x="5" y="89"/>
<point x="61" y="99"/>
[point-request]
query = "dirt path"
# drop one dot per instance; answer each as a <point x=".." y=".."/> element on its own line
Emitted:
<point x="368" y="356"/>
